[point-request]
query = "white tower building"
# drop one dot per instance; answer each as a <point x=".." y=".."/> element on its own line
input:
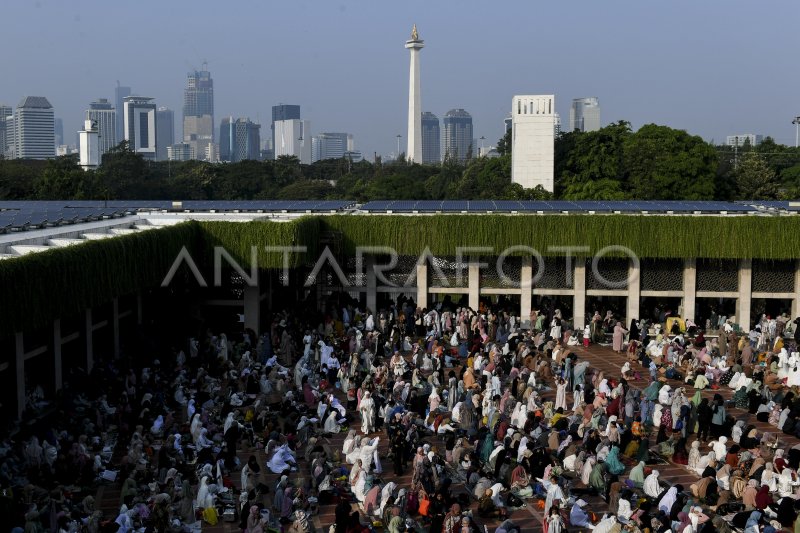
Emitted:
<point x="140" y="125"/>
<point x="533" y="141"/>
<point x="89" y="139"/>
<point x="414" y="150"/>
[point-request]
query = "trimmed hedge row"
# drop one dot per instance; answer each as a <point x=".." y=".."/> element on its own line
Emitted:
<point x="36" y="288"/>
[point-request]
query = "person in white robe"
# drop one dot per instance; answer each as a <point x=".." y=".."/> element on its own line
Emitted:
<point x="386" y="496"/>
<point x="368" y="454"/>
<point x="282" y="459"/>
<point x="331" y="424"/>
<point x="561" y="395"/>
<point x="651" y="485"/>
<point x="367" y="410"/>
<point x="358" y="481"/>
<point x="355" y="450"/>
<point x="204" y="498"/>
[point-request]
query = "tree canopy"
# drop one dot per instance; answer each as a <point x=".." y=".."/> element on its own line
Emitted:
<point x="613" y="163"/>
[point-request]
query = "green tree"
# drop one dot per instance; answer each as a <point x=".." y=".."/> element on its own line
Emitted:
<point x="669" y="164"/>
<point x="305" y="190"/>
<point x="61" y="178"/>
<point x="504" y="144"/>
<point x="590" y="165"/>
<point x="755" y="179"/>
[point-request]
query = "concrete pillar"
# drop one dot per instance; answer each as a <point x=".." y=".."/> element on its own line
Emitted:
<point x="689" y="288"/>
<point x="579" y="286"/>
<point x="115" y="326"/>
<point x="372" y="285"/>
<point x="422" y="285"/>
<point x="474" y="283"/>
<point x="89" y="341"/>
<point x="252" y="307"/>
<point x="744" y="301"/>
<point x="525" y="294"/>
<point x="57" y="366"/>
<point x="20" y="370"/>
<point x="634" y="291"/>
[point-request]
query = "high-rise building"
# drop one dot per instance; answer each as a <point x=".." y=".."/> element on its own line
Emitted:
<point x="293" y="137"/>
<point x="165" y="123"/>
<point x="458" y="142"/>
<point x="584" y="115"/>
<point x="507" y="122"/>
<point x="198" y="111"/>
<point x="431" y="139"/>
<point x="556" y="124"/>
<point x="239" y="140"/>
<point x="414" y="150"/>
<point x="6" y="113"/>
<point x="140" y="125"/>
<point x="330" y="146"/>
<point x="89" y="145"/>
<point x="180" y="152"/>
<point x="533" y="141"/>
<point x="102" y="113"/>
<point x="739" y="140"/>
<point x="34" y="125"/>
<point x="58" y="131"/>
<point x="282" y="112"/>
<point x="120" y="92"/>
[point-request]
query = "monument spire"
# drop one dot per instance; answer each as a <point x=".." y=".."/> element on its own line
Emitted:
<point x="414" y="150"/>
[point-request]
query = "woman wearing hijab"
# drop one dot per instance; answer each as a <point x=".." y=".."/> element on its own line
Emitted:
<point x="749" y="494"/>
<point x="615" y="466"/>
<point x="763" y="498"/>
<point x="637" y="475"/>
<point x="651" y="486"/>
<point x="668" y="500"/>
<point x="255" y="523"/>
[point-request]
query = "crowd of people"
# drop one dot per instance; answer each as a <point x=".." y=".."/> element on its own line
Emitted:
<point x="485" y="416"/>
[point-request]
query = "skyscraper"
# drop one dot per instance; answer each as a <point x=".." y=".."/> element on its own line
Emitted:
<point x="414" y="150"/>
<point x="239" y="140"/>
<point x="584" y="115"/>
<point x="180" y="152"/>
<point x="58" y="131"/>
<point x="165" y="124"/>
<point x="89" y="145"/>
<point x="282" y="112"/>
<point x="120" y="92"/>
<point x="293" y="137"/>
<point x="34" y="129"/>
<point x="102" y="113"/>
<point x="330" y="146"/>
<point x="556" y="124"/>
<point x="6" y="113"/>
<point x="140" y="125"/>
<point x="458" y="135"/>
<point x="533" y="141"/>
<point x="431" y="139"/>
<point x="198" y="111"/>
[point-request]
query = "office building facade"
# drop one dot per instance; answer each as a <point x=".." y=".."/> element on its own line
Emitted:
<point x="740" y="140"/>
<point x="584" y="114"/>
<point x="282" y="112"/>
<point x="6" y="119"/>
<point x="198" y="111"/>
<point x="293" y="138"/>
<point x="102" y="113"/>
<point x="180" y="152"/>
<point x="330" y="146"/>
<point x="165" y="123"/>
<point x="120" y="92"/>
<point x="533" y="141"/>
<point x="34" y="125"/>
<point x="239" y="140"/>
<point x="140" y="125"/>
<point x="458" y="142"/>
<point x="431" y="139"/>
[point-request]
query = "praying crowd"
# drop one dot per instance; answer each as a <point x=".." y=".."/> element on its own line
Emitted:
<point x="446" y="419"/>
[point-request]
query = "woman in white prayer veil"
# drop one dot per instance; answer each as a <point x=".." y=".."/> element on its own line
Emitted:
<point x="195" y="427"/>
<point x="523" y="445"/>
<point x="588" y="466"/>
<point x="331" y="424"/>
<point x="368" y="454"/>
<point x="694" y="457"/>
<point x="651" y="485"/>
<point x="350" y="442"/>
<point x="204" y="498"/>
<point x="158" y="426"/>
<point x="386" y="496"/>
<point x="355" y="450"/>
<point x="705" y="461"/>
<point x="229" y="421"/>
<point x="223" y="346"/>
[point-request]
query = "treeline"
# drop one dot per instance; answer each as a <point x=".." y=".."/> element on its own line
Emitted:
<point x="614" y="163"/>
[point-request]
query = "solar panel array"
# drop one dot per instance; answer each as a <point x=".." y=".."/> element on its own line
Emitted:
<point x="556" y="206"/>
<point x="773" y="205"/>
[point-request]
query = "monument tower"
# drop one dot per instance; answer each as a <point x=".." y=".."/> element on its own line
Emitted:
<point x="414" y="151"/>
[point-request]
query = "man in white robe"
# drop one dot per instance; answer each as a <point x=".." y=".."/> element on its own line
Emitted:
<point x="367" y="410"/>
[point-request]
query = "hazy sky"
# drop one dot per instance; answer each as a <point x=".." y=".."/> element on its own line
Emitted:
<point x="712" y="67"/>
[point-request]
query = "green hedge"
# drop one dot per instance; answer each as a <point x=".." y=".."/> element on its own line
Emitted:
<point x="36" y="288"/>
<point x="39" y="287"/>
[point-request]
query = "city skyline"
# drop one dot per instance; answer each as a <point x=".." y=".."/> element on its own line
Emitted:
<point x="681" y="77"/>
